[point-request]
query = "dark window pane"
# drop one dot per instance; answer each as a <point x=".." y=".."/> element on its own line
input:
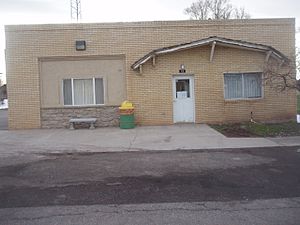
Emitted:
<point x="99" y="91"/>
<point x="67" y="89"/>
<point x="183" y="88"/>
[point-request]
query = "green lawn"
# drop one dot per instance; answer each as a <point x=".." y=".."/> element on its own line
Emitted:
<point x="277" y="129"/>
<point x="259" y="129"/>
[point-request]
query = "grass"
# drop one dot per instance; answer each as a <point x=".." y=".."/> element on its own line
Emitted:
<point x="278" y="129"/>
<point x="259" y="129"/>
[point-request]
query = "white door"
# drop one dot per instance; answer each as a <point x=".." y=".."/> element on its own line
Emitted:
<point x="183" y="99"/>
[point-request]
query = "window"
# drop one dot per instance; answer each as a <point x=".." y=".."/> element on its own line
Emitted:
<point x="242" y="85"/>
<point x="183" y="88"/>
<point x="83" y="91"/>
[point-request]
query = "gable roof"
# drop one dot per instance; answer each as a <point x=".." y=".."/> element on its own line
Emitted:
<point x="208" y="41"/>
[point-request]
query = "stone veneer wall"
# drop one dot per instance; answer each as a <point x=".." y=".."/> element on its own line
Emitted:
<point x="59" y="117"/>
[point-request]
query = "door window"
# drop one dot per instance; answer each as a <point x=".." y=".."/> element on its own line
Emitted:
<point x="182" y="88"/>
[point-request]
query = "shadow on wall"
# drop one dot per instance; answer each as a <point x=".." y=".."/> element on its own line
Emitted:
<point x="3" y="92"/>
<point x="3" y="119"/>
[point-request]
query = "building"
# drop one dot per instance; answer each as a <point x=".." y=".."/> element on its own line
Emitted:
<point x="172" y="71"/>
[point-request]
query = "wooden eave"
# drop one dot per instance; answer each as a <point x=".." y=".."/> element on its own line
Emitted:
<point x="214" y="40"/>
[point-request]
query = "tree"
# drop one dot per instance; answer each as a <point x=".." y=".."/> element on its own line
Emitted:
<point x="215" y="10"/>
<point x="199" y="10"/>
<point x="221" y="9"/>
<point x="281" y="77"/>
<point x="240" y="13"/>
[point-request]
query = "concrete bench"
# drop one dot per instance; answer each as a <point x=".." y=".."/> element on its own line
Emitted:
<point x="91" y="121"/>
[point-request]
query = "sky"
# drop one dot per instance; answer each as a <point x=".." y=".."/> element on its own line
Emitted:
<point x="58" y="11"/>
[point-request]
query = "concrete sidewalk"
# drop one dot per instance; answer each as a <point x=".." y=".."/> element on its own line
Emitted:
<point x="184" y="136"/>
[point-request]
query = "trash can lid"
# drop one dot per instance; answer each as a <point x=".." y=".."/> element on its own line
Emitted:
<point x="126" y="105"/>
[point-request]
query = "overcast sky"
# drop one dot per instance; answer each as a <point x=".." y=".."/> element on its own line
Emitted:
<point x="58" y="11"/>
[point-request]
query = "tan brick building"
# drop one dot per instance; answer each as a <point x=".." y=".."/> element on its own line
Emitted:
<point x="173" y="71"/>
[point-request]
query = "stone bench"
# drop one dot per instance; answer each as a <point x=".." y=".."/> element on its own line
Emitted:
<point x="91" y="121"/>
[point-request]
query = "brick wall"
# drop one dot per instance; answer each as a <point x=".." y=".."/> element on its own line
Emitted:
<point x="154" y="95"/>
<point x="151" y="92"/>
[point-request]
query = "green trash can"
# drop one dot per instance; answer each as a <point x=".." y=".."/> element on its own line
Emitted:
<point x="127" y="121"/>
<point x="126" y="115"/>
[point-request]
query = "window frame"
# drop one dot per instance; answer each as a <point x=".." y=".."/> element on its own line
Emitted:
<point x="94" y="91"/>
<point x="243" y="88"/>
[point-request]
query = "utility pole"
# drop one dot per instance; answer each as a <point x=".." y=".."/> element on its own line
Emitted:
<point x="75" y="9"/>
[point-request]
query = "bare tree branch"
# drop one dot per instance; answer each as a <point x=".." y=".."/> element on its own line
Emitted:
<point x="198" y="10"/>
<point x="281" y="77"/>
<point x="221" y="9"/>
<point x="215" y="10"/>
<point x="240" y="13"/>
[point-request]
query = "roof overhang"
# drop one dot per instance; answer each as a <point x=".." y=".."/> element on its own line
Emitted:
<point x="270" y="51"/>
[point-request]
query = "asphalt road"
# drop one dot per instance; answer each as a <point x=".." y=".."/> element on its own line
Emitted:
<point x="140" y="179"/>
<point x="151" y="177"/>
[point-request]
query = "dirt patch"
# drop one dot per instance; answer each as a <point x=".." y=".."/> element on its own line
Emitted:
<point x="237" y="131"/>
<point x="234" y="130"/>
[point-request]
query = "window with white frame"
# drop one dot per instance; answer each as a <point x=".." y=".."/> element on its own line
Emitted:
<point x="83" y="91"/>
<point x="242" y="85"/>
